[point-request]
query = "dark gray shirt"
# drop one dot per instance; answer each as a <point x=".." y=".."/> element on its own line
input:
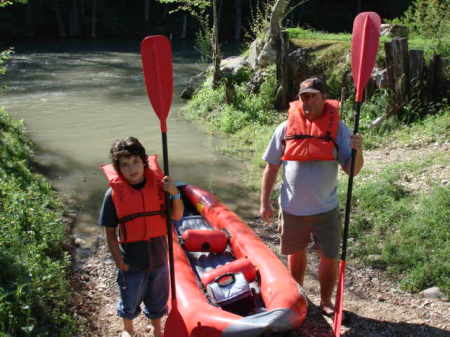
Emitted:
<point x="139" y="255"/>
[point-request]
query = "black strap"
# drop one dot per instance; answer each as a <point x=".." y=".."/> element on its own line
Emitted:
<point x="327" y="138"/>
<point x="133" y="216"/>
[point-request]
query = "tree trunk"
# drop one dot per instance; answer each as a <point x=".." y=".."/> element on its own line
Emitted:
<point x="94" y="19"/>
<point x="282" y="98"/>
<point x="184" y="26"/>
<point x="238" y="20"/>
<point x="397" y="62"/>
<point x="278" y="11"/>
<point x="30" y="21"/>
<point x="216" y="50"/>
<point x="147" y="15"/>
<point x="74" y="19"/>
<point x="59" y="19"/>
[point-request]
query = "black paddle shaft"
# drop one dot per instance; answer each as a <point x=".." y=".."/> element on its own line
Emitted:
<point x="348" y="205"/>
<point x="168" y="221"/>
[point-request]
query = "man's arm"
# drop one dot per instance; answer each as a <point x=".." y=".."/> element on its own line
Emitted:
<point x="267" y="182"/>
<point x="359" y="158"/>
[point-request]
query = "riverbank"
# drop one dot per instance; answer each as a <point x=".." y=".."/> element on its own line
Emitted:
<point x="35" y="244"/>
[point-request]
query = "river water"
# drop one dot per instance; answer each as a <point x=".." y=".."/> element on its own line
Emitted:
<point x="76" y="98"/>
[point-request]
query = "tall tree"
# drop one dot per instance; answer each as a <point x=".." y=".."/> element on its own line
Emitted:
<point x="237" y="20"/>
<point x="196" y="8"/>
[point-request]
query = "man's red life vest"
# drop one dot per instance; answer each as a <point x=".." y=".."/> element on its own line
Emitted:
<point x="308" y="140"/>
<point x="140" y="211"/>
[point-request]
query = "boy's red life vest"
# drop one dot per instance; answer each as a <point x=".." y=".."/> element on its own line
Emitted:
<point x="307" y="140"/>
<point x="140" y="211"/>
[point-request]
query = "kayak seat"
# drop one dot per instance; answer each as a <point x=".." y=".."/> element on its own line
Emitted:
<point x="205" y="240"/>
<point x="242" y="265"/>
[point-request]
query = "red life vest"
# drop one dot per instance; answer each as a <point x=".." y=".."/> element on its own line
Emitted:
<point x="140" y="211"/>
<point x="308" y="140"/>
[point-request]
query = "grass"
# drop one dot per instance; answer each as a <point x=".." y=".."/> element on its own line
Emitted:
<point x="34" y="289"/>
<point x="389" y="220"/>
<point x="401" y="231"/>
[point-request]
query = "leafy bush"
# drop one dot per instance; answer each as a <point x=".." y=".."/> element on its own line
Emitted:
<point x="430" y="20"/>
<point x="247" y="108"/>
<point x="34" y="290"/>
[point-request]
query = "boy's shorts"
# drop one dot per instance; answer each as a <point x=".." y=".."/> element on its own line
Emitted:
<point x="296" y="232"/>
<point x="150" y="287"/>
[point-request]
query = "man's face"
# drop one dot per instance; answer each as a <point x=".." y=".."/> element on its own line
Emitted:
<point x="132" y="169"/>
<point x="312" y="104"/>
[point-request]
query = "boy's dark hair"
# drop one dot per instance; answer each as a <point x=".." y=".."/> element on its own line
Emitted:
<point x="127" y="147"/>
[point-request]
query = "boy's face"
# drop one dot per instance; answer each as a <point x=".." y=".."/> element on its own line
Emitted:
<point x="132" y="169"/>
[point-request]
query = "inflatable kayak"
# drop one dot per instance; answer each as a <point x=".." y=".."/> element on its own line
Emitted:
<point x="228" y="282"/>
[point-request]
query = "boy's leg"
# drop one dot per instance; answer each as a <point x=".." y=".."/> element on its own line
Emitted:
<point x="131" y="291"/>
<point x="156" y="296"/>
<point x="156" y="327"/>
<point x="128" y="326"/>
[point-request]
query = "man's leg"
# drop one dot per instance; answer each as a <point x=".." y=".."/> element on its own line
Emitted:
<point x="297" y="265"/>
<point x="328" y="273"/>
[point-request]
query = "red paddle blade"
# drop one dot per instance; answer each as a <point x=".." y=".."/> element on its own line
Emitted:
<point x="339" y="304"/>
<point x="156" y="54"/>
<point x="365" y="39"/>
<point x="175" y="326"/>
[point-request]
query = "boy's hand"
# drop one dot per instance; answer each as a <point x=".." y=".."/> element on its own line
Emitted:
<point x="169" y="186"/>
<point x="122" y="266"/>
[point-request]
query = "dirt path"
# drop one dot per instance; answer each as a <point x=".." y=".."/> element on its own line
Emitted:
<point x="375" y="306"/>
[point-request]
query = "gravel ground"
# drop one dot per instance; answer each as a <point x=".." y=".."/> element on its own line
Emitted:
<point x="374" y="304"/>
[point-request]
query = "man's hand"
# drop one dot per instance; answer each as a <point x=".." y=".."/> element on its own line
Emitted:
<point x="357" y="142"/>
<point x="266" y="213"/>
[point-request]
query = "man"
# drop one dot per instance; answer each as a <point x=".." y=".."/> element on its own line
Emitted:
<point x="309" y="146"/>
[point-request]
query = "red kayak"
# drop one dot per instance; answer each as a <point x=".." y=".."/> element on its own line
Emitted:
<point x="228" y="282"/>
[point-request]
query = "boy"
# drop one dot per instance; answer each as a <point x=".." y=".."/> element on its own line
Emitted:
<point x="134" y="204"/>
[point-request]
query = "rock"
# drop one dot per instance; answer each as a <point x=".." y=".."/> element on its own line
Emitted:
<point x="380" y="77"/>
<point x="192" y="86"/>
<point x="254" y="51"/>
<point x="79" y="242"/>
<point x="393" y="30"/>
<point x="433" y="292"/>
<point x="232" y="66"/>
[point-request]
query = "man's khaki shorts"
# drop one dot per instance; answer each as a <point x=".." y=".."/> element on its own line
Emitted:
<point x="296" y="232"/>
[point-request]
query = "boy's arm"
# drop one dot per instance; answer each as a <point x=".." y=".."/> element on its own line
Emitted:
<point x="113" y="245"/>
<point x="177" y="204"/>
<point x="177" y="209"/>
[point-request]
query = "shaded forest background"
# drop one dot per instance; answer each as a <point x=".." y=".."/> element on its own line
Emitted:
<point x="87" y="19"/>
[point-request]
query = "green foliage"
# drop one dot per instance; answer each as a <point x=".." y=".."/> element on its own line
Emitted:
<point x="430" y="20"/>
<point x="199" y="10"/>
<point x="4" y="3"/>
<point x="34" y="290"/>
<point x="259" y="19"/>
<point x="5" y="55"/>
<point x="408" y="232"/>
<point x="204" y="37"/>
<point x="247" y="108"/>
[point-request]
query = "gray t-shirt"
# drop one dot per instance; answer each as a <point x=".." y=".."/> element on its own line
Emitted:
<point x="308" y="188"/>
